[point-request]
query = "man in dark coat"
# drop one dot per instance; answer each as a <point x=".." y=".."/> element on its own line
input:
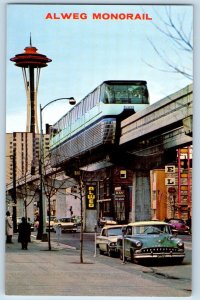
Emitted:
<point x="24" y="229"/>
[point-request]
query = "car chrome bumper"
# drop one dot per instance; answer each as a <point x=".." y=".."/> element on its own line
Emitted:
<point x="69" y="229"/>
<point x="159" y="255"/>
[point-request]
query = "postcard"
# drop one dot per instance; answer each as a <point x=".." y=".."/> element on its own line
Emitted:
<point x="99" y="149"/>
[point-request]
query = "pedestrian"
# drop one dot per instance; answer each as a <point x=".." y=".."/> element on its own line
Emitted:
<point x="36" y="225"/>
<point x="189" y="223"/>
<point x="58" y="230"/>
<point x="9" y="228"/>
<point x="24" y="236"/>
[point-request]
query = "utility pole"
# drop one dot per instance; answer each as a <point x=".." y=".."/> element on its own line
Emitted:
<point x="40" y="228"/>
<point x="14" y="194"/>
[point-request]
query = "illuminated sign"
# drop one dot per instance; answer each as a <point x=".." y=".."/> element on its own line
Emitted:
<point x="91" y="196"/>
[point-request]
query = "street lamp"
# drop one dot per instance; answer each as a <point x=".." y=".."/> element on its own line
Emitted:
<point x="42" y="221"/>
<point x="14" y="192"/>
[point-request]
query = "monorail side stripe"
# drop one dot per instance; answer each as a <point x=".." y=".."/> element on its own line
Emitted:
<point x="109" y="118"/>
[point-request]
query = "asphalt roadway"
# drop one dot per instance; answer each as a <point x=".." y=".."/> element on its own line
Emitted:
<point x="40" y="272"/>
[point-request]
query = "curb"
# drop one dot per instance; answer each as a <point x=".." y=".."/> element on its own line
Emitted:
<point x="54" y="245"/>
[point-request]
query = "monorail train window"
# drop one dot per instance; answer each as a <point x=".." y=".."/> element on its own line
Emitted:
<point x="87" y="104"/>
<point x="90" y="101"/>
<point x="125" y="94"/>
<point x="79" y="110"/>
<point x="65" y="121"/>
<point x="96" y="96"/>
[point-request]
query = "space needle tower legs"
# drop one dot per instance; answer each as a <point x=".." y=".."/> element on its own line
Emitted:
<point x="31" y="63"/>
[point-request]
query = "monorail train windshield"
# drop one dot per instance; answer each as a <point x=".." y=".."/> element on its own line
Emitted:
<point x="125" y="93"/>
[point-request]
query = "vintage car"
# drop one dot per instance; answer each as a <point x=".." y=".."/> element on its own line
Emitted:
<point x="106" y="241"/>
<point x="150" y="240"/>
<point x="66" y="225"/>
<point x="77" y="220"/>
<point x="179" y="226"/>
<point x="106" y="221"/>
<point x="52" y="223"/>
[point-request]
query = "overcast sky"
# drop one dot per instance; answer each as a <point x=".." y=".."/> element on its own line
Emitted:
<point x="86" y="52"/>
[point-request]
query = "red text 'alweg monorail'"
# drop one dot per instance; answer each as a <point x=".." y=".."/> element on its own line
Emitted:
<point x="97" y="16"/>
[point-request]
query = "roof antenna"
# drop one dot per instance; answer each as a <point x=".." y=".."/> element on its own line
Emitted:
<point x="30" y="40"/>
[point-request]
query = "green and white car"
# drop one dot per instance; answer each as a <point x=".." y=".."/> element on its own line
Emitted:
<point x="150" y="240"/>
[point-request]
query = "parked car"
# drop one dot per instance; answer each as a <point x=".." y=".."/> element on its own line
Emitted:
<point x="106" y="241"/>
<point x="31" y="224"/>
<point x="52" y="219"/>
<point x="66" y="224"/>
<point x="179" y="226"/>
<point x="106" y="221"/>
<point x="77" y="220"/>
<point x="149" y="240"/>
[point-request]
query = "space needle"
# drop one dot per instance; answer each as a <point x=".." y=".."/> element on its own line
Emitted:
<point x="31" y="63"/>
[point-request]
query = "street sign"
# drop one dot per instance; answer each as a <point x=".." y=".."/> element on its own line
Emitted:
<point x="91" y="196"/>
<point x="169" y="169"/>
<point x="169" y="181"/>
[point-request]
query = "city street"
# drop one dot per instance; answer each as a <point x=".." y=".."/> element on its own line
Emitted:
<point x="178" y="274"/>
<point x="59" y="272"/>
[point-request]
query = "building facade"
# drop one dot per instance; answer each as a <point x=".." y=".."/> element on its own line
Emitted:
<point x="22" y="161"/>
<point x="171" y="197"/>
<point x="23" y="149"/>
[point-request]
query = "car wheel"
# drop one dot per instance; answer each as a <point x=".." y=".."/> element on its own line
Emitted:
<point x="179" y="261"/>
<point x="101" y="252"/>
<point x="109" y="252"/>
<point x="121" y="255"/>
<point x="132" y="255"/>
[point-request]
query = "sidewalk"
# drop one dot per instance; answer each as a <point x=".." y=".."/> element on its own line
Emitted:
<point x="39" y="271"/>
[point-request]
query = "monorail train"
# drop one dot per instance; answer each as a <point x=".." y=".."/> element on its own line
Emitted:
<point x="95" y="120"/>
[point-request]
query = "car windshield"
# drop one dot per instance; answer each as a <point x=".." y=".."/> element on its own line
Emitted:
<point x="177" y="221"/>
<point x="51" y="218"/>
<point x="123" y="94"/>
<point x="65" y="220"/>
<point x="151" y="229"/>
<point x="115" y="231"/>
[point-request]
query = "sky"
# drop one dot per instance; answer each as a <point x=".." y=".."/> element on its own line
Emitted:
<point x="86" y="52"/>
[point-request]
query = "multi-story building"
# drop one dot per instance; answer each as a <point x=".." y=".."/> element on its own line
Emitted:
<point x="171" y="190"/>
<point x="22" y="161"/>
<point x="23" y="148"/>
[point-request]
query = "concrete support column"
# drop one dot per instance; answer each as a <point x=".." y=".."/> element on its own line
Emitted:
<point x="141" y="198"/>
<point x="90" y="220"/>
<point x="30" y="206"/>
<point x="61" y="204"/>
<point x="27" y="211"/>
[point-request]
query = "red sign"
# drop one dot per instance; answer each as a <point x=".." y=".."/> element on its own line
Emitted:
<point x="171" y="190"/>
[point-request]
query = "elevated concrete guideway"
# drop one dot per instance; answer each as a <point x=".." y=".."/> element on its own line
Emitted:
<point x="170" y="118"/>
